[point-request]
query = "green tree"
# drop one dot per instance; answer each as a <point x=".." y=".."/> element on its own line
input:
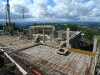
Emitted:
<point x="15" y="28"/>
<point x="1" y="26"/>
<point x="72" y="27"/>
<point x="88" y="36"/>
<point x="34" y="24"/>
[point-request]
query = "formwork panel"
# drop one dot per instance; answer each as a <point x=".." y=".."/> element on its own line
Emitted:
<point x="72" y="64"/>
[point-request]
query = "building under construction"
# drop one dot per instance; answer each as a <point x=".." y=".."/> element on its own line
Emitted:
<point x="52" y="56"/>
<point x="38" y="52"/>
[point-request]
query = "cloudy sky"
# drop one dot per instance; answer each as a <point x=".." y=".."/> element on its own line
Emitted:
<point x="52" y="10"/>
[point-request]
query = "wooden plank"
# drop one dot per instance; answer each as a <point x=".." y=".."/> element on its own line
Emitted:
<point x="81" y="51"/>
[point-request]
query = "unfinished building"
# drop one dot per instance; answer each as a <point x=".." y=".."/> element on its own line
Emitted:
<point x="43" y="31"/>
<point x="62" y="34"/>
<point x="44" y="57"/>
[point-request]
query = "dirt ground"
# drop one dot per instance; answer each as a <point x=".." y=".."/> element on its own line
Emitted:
<point x="7" y="67"/>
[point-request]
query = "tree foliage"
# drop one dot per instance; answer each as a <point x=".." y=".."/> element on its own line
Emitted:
<point x="34" y="24"/>
<point x="64" y="27"/>
<point x="88" y="35"/>
<point x="15" y="28"/>
<point x="72" y="27"/>
<point x="1" y="27"/>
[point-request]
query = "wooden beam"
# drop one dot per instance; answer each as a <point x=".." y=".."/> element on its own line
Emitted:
<point x="81" y="51"/>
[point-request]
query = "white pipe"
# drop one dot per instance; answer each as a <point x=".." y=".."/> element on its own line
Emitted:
<point x="19" y="67"/>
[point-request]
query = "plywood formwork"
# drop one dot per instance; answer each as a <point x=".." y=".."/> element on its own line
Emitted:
<point x="71" y="64"/>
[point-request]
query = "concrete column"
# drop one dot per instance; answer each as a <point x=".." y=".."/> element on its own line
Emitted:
<point x="3" y="29"/>
<point x="18" y="33"/>
<point x="50" y="37"/>
<point x="37" y="30"/>
<point x="97" y="56"/>
<point x="26" y="33"/>
<point x="53" y="33"/>
<point x="34" y="30"/>
<point x="67" y="43"/>
<point x="29" y="31"/>
<point x="95" y="45"/>
<point x="43" y="35"/>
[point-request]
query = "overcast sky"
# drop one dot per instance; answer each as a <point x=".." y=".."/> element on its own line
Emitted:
<point x="52" y="10"/>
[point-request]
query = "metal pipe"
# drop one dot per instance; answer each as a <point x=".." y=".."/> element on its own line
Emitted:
<point x="23" y="12"/>
<point x="7" y="1"/>
<point x="8" y="16"/>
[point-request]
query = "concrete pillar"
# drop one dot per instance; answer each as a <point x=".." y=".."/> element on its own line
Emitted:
<point x="18" y="34"/>
<point x="29" y="31"/>
<point x="43" y="35"/>
<point x="67" y="43"/>
<point x="26" y="33"/>
<point x="53" y="33"/>
<point x="34" y="30"/>
<point x="97" y="56"/>
<point x="37" y="30"/>
<point x="4" y="29"/>
<point x="50" y="37"/>
<point x="95" y="45"/>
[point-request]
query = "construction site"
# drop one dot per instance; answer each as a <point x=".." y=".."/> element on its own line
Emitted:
<point x="42" y="54"/>
<point x="38" y="52"/>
